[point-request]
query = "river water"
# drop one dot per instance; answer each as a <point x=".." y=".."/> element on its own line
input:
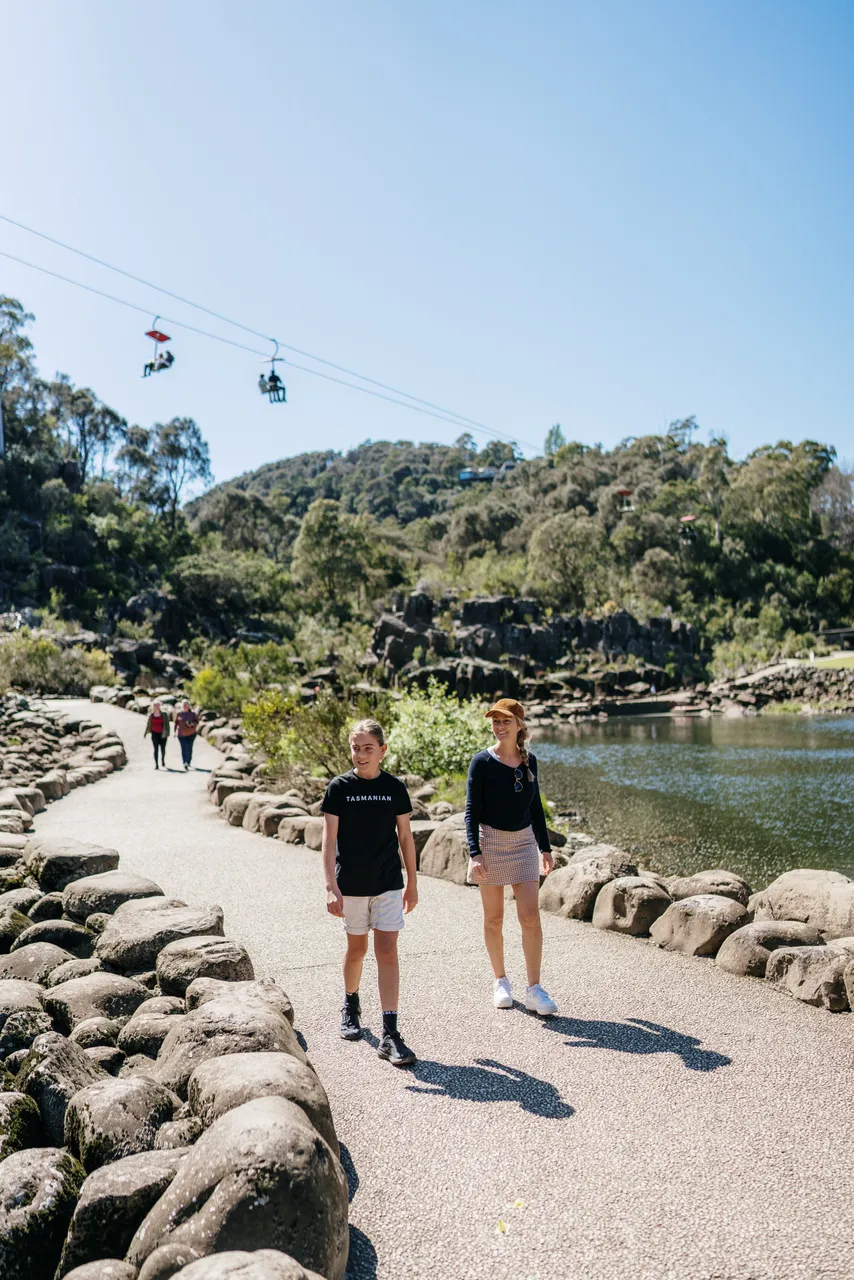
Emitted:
<point x="758" y="795"/>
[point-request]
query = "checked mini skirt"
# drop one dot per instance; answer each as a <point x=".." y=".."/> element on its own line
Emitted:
<point x="509" y="857"/>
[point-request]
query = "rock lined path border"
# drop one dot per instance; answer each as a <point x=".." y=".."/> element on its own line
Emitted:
<point x="674" y="1122"/>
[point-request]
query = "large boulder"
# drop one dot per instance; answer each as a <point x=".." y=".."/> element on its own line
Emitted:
<point x="114" y="1118"/>
<point x="823" y="899"/>
<point x="445" y="854"/>
<point x="52" y="1072"/>
<point x="105" y="892"/>
<point x="12" y="924"/>
<point x="698" y="926"/>
<point x="815" y="975"/>
<point x="228" y="786"/>
<point x="73" y="938"/>
<point x="292" y="830"/>
<point x="73" y="969"/>
<point x="220" y="1027"/>
<point x="266" y="993"/>
<point x="260" y="1177"/>
<point x="265" y="1264"/>
<point x="271" y="818"/>
<point x="20" y="1124"/>
<point x="182" y="961"/>
<point x="105" y="1269"/>
<point x="748" y="950"/>
<point x="221" y="1084"/>
<point x="571" y="891"/>
<point x="33" y="963"/>
<point x="150" y="1025"/>
<point x="38" y="1191"/>
<point x="48" y="907"/>
<point x="140" y="930"/>
<point x="98" y="995"/>
<point x="234" y="807"/>
<point x="263" y="800"/>
<point x="630" y="904"/>
<point x="20" y="1030"/>
<point x="53" y="785"/>
<point x="17" y="996"/>
<point x="57" y="860"/>
<point x="723" y="883"/>
<point x="113" y="1202"/>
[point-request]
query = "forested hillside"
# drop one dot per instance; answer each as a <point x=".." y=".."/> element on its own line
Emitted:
<point x="757" y="552"/>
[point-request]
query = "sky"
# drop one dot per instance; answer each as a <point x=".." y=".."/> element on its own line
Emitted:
<point x="609" y="215"/>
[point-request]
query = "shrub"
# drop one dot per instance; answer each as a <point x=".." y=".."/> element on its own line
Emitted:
<point x="433" y="734"/>
<point x="40" y="666"/>
<point x="230" y="677"/>
<point x="313" y="734"/>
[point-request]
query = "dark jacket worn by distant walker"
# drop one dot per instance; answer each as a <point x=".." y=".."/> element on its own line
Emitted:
<point x="164" y="733"/>
<point x="492" y="800"/>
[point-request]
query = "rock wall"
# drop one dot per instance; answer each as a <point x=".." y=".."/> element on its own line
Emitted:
<point x="155" y="1099"/>
<point x="489" y="631"/>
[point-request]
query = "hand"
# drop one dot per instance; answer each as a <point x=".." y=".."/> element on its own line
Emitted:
<point x="410" y="898"/>
<point x="548" y="862"/>
<point x="477" y="871"/>
<point x="335" y="902"/>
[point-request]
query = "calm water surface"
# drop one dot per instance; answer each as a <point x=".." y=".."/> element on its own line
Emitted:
<point x="758" y="795"/>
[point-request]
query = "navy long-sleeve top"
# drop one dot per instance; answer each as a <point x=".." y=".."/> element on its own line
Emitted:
<point x="492" y="799"/>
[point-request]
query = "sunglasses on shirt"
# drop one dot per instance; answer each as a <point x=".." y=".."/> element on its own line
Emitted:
<point x="517" y="785"/>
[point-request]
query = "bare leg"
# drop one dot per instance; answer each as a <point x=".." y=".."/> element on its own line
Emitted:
<point x="528" y="911"/>
<point x="492" y="901"/>
<point x="357" y="948"/>
<point x="388" y="969"/>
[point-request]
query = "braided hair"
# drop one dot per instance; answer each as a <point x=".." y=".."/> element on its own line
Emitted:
<point x="521" y="737"/>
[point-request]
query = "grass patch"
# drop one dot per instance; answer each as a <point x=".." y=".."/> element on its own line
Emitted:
<point x="835" y="664"/>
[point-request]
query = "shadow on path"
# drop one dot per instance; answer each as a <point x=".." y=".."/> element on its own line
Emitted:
<point x="362" y="1258"/>
<point x="636" y="1035"/>
<point x="487" y="1081"/>
<point x="491" y="1081"/>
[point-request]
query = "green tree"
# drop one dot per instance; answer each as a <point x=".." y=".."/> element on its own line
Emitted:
<point x="181" y="458"/>
<point x="91" y="427"/>
<point x="555" y="440"/>
<point x="568" y="561"/>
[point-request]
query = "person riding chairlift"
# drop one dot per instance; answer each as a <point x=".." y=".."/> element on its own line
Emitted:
<point x="164" y="360"/>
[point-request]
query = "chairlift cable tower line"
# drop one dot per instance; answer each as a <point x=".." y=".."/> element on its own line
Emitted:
<point x="241" y="346"/>
<point x="448" y="414"/>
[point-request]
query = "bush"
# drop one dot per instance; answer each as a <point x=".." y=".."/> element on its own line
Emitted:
<point x="230" y="677"/>
<point x="314" y="734"/>
<point x="433" y="734"/>
<point x="41" y="666"/>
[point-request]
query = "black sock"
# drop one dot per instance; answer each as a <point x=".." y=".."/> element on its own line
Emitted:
<point x="352" y="998"/>
<point x="389" y="1023"/>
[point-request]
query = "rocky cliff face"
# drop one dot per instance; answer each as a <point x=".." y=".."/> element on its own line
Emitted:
<point x="512" y="634"/>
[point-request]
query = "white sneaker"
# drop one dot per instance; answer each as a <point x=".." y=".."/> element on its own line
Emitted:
<point x="501" y="997"/>
<point x="539" y="1001"/>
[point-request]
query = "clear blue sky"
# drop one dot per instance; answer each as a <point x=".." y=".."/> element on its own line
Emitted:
<point x="604" y="214"/>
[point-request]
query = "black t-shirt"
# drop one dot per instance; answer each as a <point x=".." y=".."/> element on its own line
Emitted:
<point x="368" y="861"/>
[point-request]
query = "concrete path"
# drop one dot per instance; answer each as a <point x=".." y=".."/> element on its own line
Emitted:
<point x="675" y="1122"/>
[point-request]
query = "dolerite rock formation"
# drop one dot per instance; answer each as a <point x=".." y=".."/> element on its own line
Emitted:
<point x="155" y="1067"/>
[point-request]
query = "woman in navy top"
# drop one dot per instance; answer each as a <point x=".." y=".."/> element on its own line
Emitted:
<point x="508" y="839"/>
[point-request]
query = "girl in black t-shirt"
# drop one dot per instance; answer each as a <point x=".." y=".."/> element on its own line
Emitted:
<point x="366" y="831"/>
<point x="508" y="840"/>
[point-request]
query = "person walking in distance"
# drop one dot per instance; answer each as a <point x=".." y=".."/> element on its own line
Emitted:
<point x="366" y="832"/>
<point x="187" y="726"/>
<point x="507" y="837"/>
<point x="157" y="725"/>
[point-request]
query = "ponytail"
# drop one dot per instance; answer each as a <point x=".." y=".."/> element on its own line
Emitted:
<point x="521" y="736"/>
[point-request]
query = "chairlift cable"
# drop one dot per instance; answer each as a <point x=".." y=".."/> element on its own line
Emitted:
<point x="450" y="413"/>
<point x="241" y="346"/>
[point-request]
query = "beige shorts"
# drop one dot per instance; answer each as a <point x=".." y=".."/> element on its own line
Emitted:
<point x="384" y="912"/>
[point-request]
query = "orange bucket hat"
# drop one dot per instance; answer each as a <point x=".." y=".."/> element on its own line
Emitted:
<point x="506" y="707"/>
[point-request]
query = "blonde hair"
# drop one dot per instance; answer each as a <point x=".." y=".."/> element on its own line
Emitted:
<point x="521" y="738"/>
<point x="373" y="727"/>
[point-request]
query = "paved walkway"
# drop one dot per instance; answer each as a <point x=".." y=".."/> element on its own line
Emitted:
<point x="675" y="1122"/>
